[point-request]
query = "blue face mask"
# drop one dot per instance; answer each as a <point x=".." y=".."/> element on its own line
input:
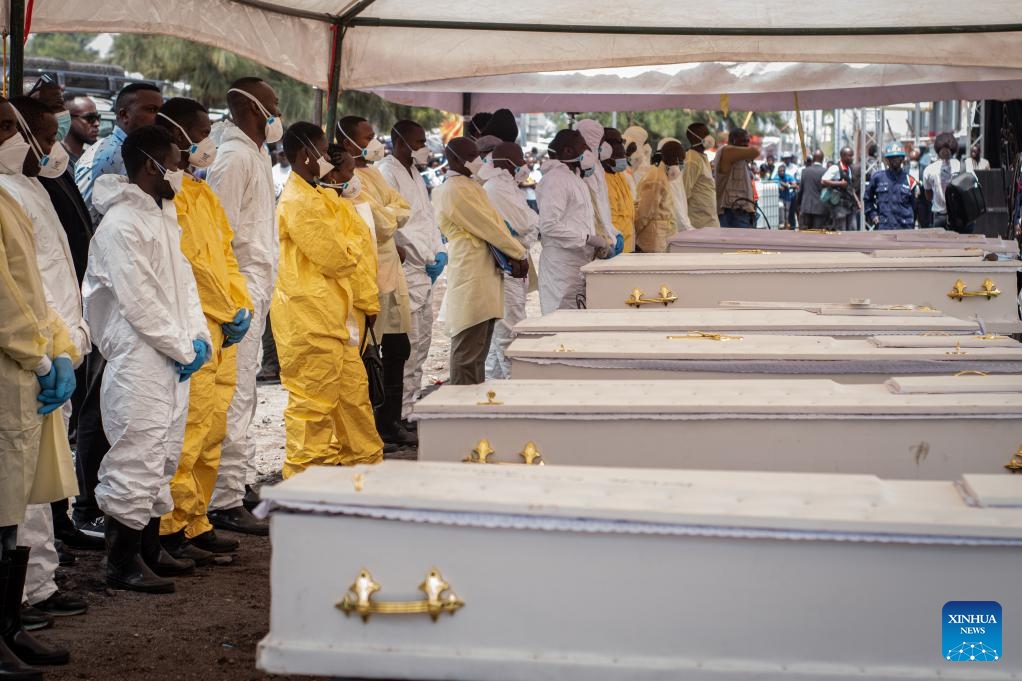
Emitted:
<point x="63" y="124"/>
<point x="620" y="165"/>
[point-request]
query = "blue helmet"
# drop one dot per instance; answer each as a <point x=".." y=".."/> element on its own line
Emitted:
<point x="894" y="149"/>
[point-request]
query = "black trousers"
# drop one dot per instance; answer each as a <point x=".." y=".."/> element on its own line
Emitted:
<point x="271" y="364"/>
<point x="92" y="445"/>
<point x="395" y="349"/>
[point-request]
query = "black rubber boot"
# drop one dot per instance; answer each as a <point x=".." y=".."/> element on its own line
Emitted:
<point x="23" y="644"/>
<point x="12" y="667"/>
<point x="178" y="546"/>
<point x="156" y="557"/>
<point x="125" y="568"/>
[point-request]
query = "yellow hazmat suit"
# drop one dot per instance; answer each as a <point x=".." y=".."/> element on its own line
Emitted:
<point x="390" y="213"/>
<point x="654" y="214"/>
<point x="206" y="242"/>
<point x="31" y="335"/>
<point x="475" y="287"/>
<point x="328" y="418"/>
<point x="622" y="207"/>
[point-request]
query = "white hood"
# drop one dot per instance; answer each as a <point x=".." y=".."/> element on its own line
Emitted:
<point x="114" y="190"/>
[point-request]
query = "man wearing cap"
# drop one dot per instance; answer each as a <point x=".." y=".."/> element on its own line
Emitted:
<point x="890" y="195"/>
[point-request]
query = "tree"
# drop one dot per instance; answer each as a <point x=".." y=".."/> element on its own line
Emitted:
<point x="673" y="122"/>
<point x="69" y="46"/>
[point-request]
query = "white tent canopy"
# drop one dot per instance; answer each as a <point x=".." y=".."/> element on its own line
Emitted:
<point x="750" y="86"/>
<point x="392" y="44"/>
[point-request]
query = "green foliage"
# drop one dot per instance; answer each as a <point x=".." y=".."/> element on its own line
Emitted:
<point x="673" y="122"/>
<point x="69" y="46"/>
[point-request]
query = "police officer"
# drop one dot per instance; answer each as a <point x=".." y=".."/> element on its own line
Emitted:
<point x="891" y="193"/>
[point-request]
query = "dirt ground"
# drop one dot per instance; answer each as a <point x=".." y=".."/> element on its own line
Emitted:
<point x="208" y="630"/>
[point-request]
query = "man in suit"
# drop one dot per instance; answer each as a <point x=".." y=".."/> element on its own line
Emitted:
<point x="813" y="213"/>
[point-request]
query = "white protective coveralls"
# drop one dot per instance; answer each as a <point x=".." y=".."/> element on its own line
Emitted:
<point x="509" y="201"/>
<point x="676" y="186"/>
<point x="56" y="268"/>
<point x="420" y="237"/>
<point x="143" y="308"/>
<point x="566" y="221"/>
<point x="31" y="336"/>
<point x="592" y="132"/>
<point x="639" y="162"/>
<point x="242" y="178"/>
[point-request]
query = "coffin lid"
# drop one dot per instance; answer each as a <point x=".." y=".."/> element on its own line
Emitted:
<point x="839" y="241"/>
<point x="783" y="398"/>
<point x="710" y="346"/>
<point x="775" y="501"/>
<point x="796" y="261"/>
<point x="728" y="320"/>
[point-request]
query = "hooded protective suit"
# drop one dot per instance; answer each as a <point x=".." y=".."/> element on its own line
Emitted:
<point x="206" y="243"/>
<point x="32" y="334"/>
<point x="143" y="308"/>
<point x="242" y="178"/>
<point x="654" y="213"/>
<point x="566" y="220"/>
<point x="420" y="237"/>
<point x="700" y="189"/>
<point x="592" y="131"/>
<point x="390" y="213"/>
<point x="639" y="161"/>
<point x="328" y="418"/>
<point x="622" y="207"/>
<point x="509" y="201"/>
<point x="470" y="223"/>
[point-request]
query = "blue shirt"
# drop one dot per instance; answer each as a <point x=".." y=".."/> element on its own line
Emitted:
<point x="891" y="197"/>
<point x="102" y="158"/>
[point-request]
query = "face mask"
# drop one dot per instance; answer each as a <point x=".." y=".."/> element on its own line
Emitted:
<point x="372" y="152"/>
<point x="673" y="172"/>
<point x="323" y="166"/>
<point x="522" y="174"/>
<point x="12" y="154"/>
<point x="421" y="156"/>
<point x="274" y="127"/>
<point x="620" y="165"/>
<point x="52" y="164"/>
<point x="63" y="124"/>
<point x="487" y="170"/>
<point x="200" y="155"/>
<point x="175" y="178"/>
<point x="707" y="142"/>
<point x="351" y="188"/>
<point x="472" y="166"/>
<point x="605" y="151"/>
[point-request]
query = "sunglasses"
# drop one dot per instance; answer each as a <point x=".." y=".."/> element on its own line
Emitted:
<point x="88" y="118"/>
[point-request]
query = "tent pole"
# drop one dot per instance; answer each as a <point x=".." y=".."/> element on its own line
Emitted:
<point x="16" y="18"/>
<point x="333" y="91"/>
<point x="466" y="104"/>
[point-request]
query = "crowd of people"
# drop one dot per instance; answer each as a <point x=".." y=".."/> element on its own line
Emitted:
<point x="144" y="272"/>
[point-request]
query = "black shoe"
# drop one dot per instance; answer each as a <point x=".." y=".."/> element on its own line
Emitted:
<point x="268" y="378"/>
<point x="95" y="528"/>
<point x="64" y="557"/>
<point x="125" y="568"/>
<point x="389" y="448"/>
<point x="399" y="436"/>
<point x="60" y="605"/>
<point x="251" y="498"/>
<point x="74" y="538"/>
<point x="237" y="519"/>
<point x="208" y="541"/>
<point x="181" y="548"/>
<point x="410" y="426"/>
<point x="24" y="645"/>
<point x="156" y="557"/>
<point x="34" y="619"/>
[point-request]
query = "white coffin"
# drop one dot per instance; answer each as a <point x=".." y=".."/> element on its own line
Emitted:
<point x="703" y="280"/>
<point x="911" y="427"/>
<point x="717" y="355"/>
<point x="624" y="575"/>
<point x="798" y="322"/>
<point x="922" y="241"/>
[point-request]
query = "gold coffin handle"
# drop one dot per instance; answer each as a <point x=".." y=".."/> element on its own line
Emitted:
<point x="666" y="298"/>
<point x="439" y="598"/>
<point x="482" y="452"/>
<point x="960" y="292"/>
<point x="1015" y="465"/>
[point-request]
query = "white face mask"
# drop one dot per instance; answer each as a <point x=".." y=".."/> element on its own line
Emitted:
<point x="274" y="127"/>
<point x="605" y="151"/>
<point x="201" y="154"/>
<point x="487" y="171"/>
<point x="474" y="166"/>
<point x="324" y="166"/>
<point x="352" y="187"/>
<point x="421" y="156"/>
<point x="707" y="142"/>
<point x="372" y="152"/>
<point x="176" y="178"/>
<point x="52" y="164"/>
<point x="587" y="163"/>
<point x="522" y="174"/>
<point x="12" y="154"/>
<point x="673" y="172"/>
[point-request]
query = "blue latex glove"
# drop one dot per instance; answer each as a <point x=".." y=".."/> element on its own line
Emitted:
<point x="235" y="330"/>
<point x="65" y="378"/>
<point x="48" y="392"/>
<point x="511" y="229"/>
<point x="437" y="267"/>
<point x="619" y="245"/>
<point x="202" y="352"/>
